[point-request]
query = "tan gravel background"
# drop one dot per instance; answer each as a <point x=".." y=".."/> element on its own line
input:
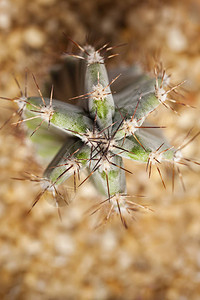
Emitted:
<point x="158" y="257"/>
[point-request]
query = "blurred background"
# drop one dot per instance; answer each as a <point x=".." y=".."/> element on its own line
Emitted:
<point x="158" y="257"/>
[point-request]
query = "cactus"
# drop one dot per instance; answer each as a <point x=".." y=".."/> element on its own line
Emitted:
<point x="100" y="128"/>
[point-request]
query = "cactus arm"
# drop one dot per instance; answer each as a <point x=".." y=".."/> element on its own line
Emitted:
<point x="137" y="100"/>
<point x="67" y="120"/>
<point x="135" y="113"/>
<point x="129" y="148"/>
<point x="72" y="157"/>
<point x="150" y="140"/>
<point x="100" y="100"/>
<point x="134" y="83"/>
<point x="65" y="117"/>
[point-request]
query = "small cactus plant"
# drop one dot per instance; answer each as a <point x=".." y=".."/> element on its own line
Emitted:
<point x="100" y="129"/>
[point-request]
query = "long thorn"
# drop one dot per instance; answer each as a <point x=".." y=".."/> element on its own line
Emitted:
<point x="161" y="176"/>
<point x="39" y="91"/>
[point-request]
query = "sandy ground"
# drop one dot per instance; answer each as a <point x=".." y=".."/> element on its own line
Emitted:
<point x="158" y="257"/>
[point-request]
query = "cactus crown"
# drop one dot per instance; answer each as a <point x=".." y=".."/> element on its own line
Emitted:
<point x="101" y="129"/>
